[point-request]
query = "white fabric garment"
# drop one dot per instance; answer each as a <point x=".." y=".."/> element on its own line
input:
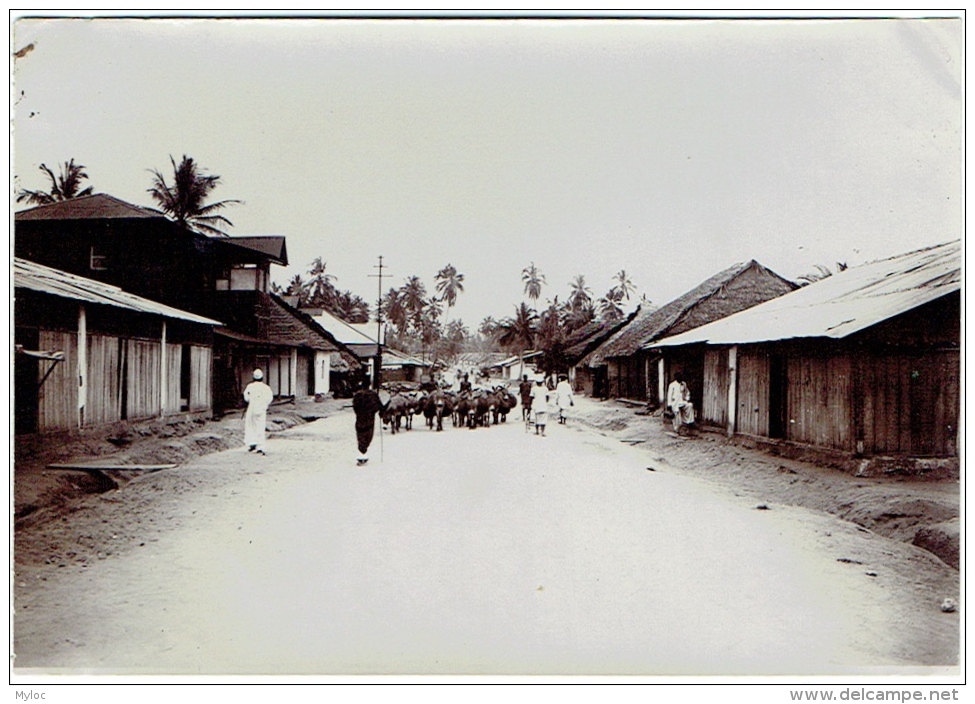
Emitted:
<point x="539" y="398"/>
<point x="679" y="401"/>
<point x="258" y="396"/>
<point x="563" y="395"/>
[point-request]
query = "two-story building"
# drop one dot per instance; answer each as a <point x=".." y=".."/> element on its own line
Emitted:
<point x="226" y="279"/>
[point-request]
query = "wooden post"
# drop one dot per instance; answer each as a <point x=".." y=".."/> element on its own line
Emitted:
<point x="661" y="382"/>
<point x="163" y="386"/>
<point x="293" y="373"/>
<point x="732" y="389"/>
<point x="82" y="364"/>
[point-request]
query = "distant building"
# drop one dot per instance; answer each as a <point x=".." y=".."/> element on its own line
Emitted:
<point x="866" y="361"/>
<point x="627" y="368"/>
<point x="582" y="342"/>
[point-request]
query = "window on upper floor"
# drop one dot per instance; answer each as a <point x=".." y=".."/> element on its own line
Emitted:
<point x="97" y="259"/>
<point x="248" y="277"/>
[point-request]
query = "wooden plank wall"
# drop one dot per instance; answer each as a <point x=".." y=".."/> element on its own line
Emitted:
<point x="143" y="379"/>
<point x="819" y="401"/>
<point x="174" y="359"/>
<point x="104" y="380"/>
<point x="58" y="397"/>
<point x="911" y="403"/>
<point x="753" y="397"/>
<point x="201" y="366"/>
<point x="714" y="409"/>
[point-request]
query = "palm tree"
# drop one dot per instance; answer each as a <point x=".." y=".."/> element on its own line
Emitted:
<point x="414" y="300"/>
<point x="185" y="200"/>
<point x="577" y="317"/>
<point x="624" y="285"/>
<point x="519" y="332"/>
<point x="533" y="279"/>
<point x="394" y="310"/>
<point x="449" y="284"/>
<point x="609" y="305"/>
<point x="297" y="287"/>
<point x="65" y="186"/>
<point x="428" y="325"/>
<point x="321" y="290"/>
<point x="350" y="307"/>
<point x="581" y="295"/>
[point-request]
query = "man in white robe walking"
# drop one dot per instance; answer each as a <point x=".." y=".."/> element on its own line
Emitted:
<point x="258" y="396"/>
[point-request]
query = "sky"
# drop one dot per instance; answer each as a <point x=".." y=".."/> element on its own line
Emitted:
<point x="671" y="149"/>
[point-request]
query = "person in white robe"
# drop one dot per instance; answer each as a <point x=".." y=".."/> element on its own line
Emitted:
<point x="258" y="396"/>
<point x="679" y="402"/>
<point x="563" y="397"/>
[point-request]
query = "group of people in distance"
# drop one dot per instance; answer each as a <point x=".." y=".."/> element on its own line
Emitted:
<point x="535" y="400"/>
<point x="367" y="404"/>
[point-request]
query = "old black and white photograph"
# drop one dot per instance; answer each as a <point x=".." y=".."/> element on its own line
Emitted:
<point x="488" y="348"/>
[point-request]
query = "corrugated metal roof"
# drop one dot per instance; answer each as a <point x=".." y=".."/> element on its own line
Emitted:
<point x="346" y="333"/>
<point x="37" y="277"/>
<point x="393" y="357"/>
<point x="98" y="206"/>
<point x="841" y="304"/>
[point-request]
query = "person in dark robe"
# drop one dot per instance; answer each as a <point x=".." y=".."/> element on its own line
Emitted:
<point x="525" y="391"/>
<point x="366" y="404"/>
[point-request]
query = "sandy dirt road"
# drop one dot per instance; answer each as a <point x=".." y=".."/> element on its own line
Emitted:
<point x="474" y="552"/>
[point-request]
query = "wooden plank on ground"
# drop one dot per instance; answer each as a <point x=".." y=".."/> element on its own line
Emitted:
<point x="108" y="467"/>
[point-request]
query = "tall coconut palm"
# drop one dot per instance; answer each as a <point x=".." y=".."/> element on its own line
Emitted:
<point x="609" y="305"/>
<point x="394" y="310"/>
<point x="414" y="294"/>
<point x="65" y="186"/>
<point x="624" y="284"/>
<point x="533" y="279"/>
<point x="185" y="200"/>
<point x="581" y="295"/>
<point x="321" y="289"/>
<point x="519" y="332"/>
<point x="449" y="284"/>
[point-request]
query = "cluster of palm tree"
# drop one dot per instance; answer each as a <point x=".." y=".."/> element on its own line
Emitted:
<point x="319" y="291"/>
<point x="417" y="322"/>
<point x="184" y="200"/>
<point x="547" y="330"/>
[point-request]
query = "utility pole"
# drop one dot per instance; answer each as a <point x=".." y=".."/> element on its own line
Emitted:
<point x="379" y="325"/>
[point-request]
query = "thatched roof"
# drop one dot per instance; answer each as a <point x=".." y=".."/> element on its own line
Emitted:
<point x="736" y="288"/>
<point x="584" y="340"/>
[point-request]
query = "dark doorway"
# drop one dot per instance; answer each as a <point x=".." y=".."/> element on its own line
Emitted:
<point x="26" y="378"/>
<point x="777" y="397"/>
